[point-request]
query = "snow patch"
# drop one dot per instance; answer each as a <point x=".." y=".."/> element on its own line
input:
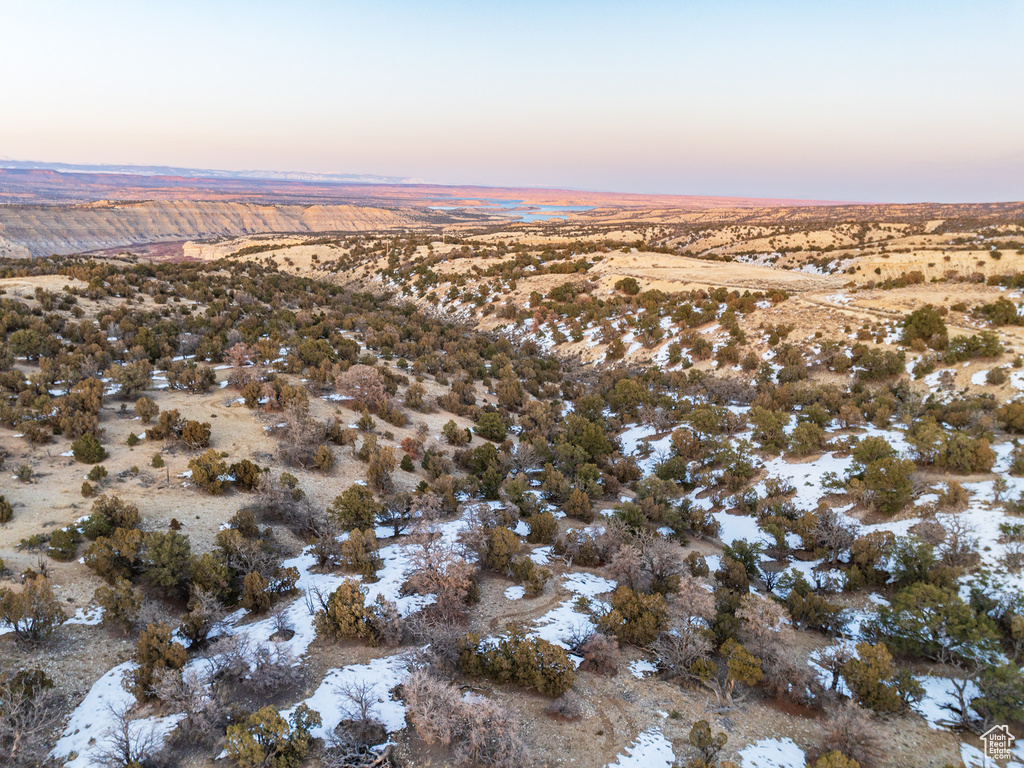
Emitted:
<point x="377" y="677"/>
<point x="650" y="749"/>
<point x="772" y="753"/>
<point x="939" y="694"/>
<point x="90" y="730"/>
<point x="642" y="668"/>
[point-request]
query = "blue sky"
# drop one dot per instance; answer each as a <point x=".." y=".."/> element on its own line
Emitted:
<point x="863" y="101"/>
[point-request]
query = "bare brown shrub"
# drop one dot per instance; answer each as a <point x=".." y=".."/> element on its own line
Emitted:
<point x="600" y="654"/>
<point x="568" y="706"/>
<point x="31" y="714"/>
<point x="482" y="731"/>
<point x="851" y="732"/>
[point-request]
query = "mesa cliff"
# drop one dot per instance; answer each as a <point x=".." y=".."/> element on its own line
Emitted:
<point x="42" y="230"/>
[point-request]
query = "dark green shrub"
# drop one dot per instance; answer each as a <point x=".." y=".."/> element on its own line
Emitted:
<point x="980" y="345"/>
<point x="167" y="560"/>
<point x="358" y="554"/>
<point x="115" y="555"/>
<point x="1002" y="694"/>
<point x="889" y="483"/>
<point x="355" y="508"/>
<point x="246" y="473"/>
<point x="543" y="528"/>
<point x="502" y="545"/>
<point x="578" y="506"/>
<point x="323" y="459"/>
<point x="532" y="576"/>
<point x="628" y="286"/>
<point x="928" y="622"/>
<point x="265" y="739"/>
<point x="491" y="427"/>
<point x="6" y="511"/>
<point x="64" y="544"/>
<point x="345" y="616"/>
<point x="769" y="429"/>
<point x="635" y="618"/>
<point x="108" y="513"/>
<point x="874" y="682"/>
<point x="996" y="377"/>
<point x="121" y="603"/>
<point x="811" y="610"/>
<point x="525" y="661"/>
<point x="926" y="324"/>
<point x="697" y="565"/>
<point x="155" y="651"/>
<point x="87" y="449"/>
<point x="208" y="471"/>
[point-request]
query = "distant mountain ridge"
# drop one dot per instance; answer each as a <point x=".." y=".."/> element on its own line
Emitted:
<point x="64" y="208"/>
<point x="205" y="173"/>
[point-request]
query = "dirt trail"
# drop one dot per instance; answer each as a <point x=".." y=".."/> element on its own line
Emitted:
<point x="609" y="735"/>
<point x="529" y="614"/>
<point x="631" y="726"/>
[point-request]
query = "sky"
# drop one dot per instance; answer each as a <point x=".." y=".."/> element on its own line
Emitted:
<point x="859" y="101"/>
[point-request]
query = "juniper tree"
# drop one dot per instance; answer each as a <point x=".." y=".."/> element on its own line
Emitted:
<point x="34" y="613"/>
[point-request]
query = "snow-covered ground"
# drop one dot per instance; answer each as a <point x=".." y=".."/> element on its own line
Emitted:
<point x="650" y="749"/>
<point x="563" y="621"/>
<point x="772" y="753"/>
<point x="973" y="758"/>
<point x="89" y="733"/>
<point x="635" y="436"/>
<point x="93" y="719"/>
<point x="87" y="729"/>
<point x="373" y="681"/>
<point x="982" y="518"/>
<point x="642" y="668"/>
<point x="939" y="695"/>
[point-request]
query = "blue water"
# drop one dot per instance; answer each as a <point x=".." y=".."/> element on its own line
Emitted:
<point x="507" y="207"/>
<point x="529" y="217"/>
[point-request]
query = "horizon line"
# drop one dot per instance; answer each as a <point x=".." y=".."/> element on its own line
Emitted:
<point x="370" y="179"/>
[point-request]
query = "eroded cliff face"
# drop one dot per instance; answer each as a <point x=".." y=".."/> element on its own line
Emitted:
<point x="40" y="230"/>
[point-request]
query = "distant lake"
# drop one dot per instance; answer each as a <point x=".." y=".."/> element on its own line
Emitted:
<point x="507" y="208"/>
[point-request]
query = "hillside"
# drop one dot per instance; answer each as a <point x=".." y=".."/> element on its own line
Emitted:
<point x="634" y="488"/>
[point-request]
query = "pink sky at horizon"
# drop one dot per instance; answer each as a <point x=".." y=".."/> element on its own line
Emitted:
<point x="923" y="102"/>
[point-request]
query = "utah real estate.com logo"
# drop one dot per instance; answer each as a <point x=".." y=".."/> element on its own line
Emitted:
<point x="998" y="743"/>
